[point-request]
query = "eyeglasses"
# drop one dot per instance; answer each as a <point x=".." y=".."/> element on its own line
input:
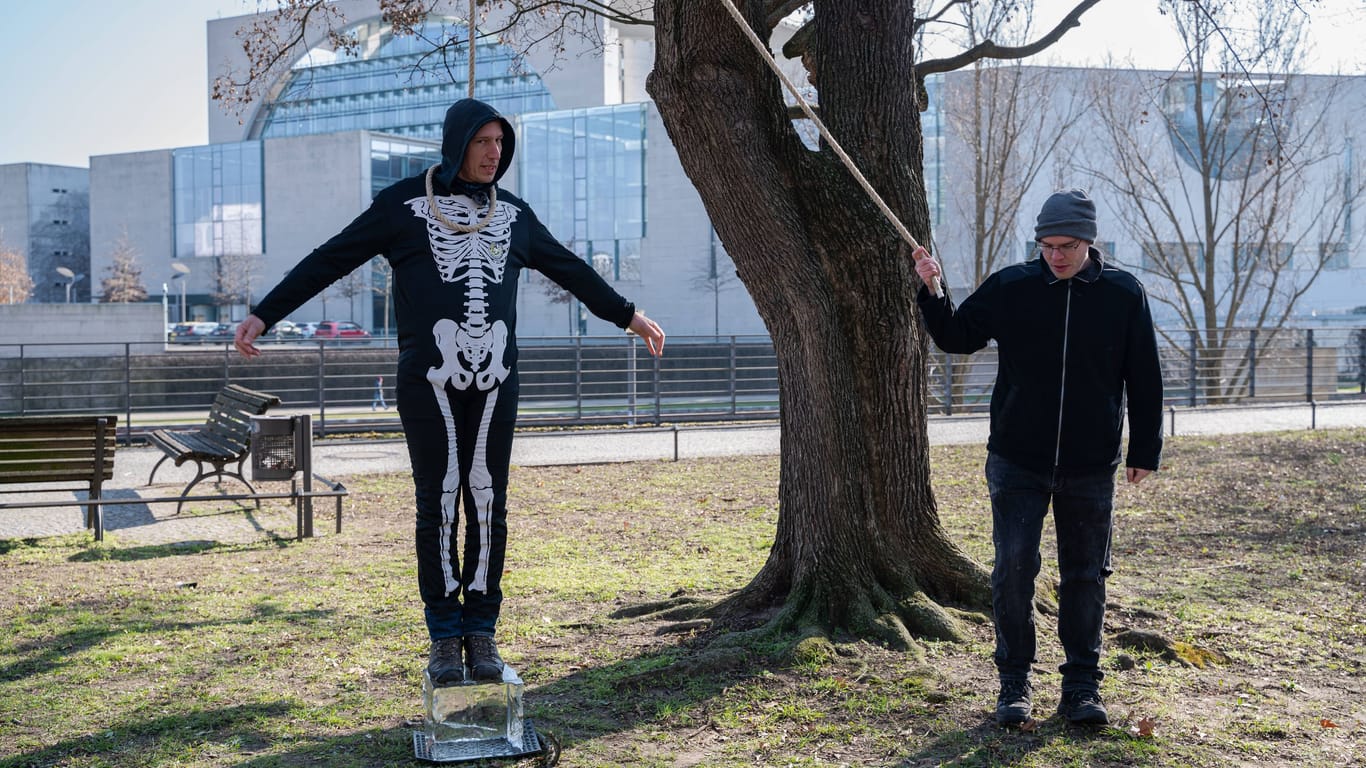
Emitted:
<point x="1065" y="248"/>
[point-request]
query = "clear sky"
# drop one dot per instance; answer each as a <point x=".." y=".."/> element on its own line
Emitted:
<point x="96" y="77"/>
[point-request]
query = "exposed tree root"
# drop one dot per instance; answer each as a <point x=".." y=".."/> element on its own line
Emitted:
<point x="684" y="627"/>
<point x="677" y="608"/>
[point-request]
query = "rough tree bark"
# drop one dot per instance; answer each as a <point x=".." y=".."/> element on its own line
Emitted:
<point x="859" y="546"/>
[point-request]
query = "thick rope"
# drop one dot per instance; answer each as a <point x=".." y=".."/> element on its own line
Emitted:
<point x="493" y="191"/>
<point x="825" y="133"/>
<point x="471" y="47"/>
<point x="452" y="226"/>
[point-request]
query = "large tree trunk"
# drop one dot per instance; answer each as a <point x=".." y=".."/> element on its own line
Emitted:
<point x="859" y="546"/>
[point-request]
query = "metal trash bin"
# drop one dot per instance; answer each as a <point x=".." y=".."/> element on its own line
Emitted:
<point x="281" y="446"/>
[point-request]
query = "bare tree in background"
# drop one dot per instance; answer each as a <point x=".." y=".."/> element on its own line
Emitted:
<point x="16" y="285"/>
<point x="351" y="286"/>
<point x="383" y="285"/>
<point x="236" y="273"/>
<point x="1013" y="121"/>
<point x="124" y="284"/>
<point x="1232" y="174"/>
<point x="716" y="273"/>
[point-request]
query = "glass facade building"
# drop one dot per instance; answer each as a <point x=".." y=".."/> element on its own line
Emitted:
<point x="932" y="133"/>
<point x="219" y="192"/>
<point x="394" y="160"/>
<point x="398" y="85"/>
<point x="583" y="172"/>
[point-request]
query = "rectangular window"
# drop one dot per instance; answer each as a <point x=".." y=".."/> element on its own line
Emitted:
<point x="1173" y="258"/>
<point x="218" y="194"/>
<point x="1335" y="255"/>
<point x="583" y="172"/>
<point x="1248" y="257"/>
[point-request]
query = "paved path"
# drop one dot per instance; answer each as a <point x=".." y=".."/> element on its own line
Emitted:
<point x="221" y="521"/>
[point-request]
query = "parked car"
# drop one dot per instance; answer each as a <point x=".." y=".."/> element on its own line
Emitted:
<point x="192" y="333"/>
<point x="223" y="332"/>
<point x="286" y="330"/>
<point x="339" y="329"/>
<point x="306" y="329"/>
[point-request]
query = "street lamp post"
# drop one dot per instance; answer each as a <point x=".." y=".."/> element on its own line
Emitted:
<point x="182" y="273"/>
<point x="71" y="278"/>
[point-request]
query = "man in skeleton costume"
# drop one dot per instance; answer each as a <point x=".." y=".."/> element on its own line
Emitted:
<point x="457" y="245"/>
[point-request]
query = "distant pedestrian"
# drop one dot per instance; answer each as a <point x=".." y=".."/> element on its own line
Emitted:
<point x="378" y="401"/>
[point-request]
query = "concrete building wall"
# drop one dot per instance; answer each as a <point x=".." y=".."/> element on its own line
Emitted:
<point x="674" y="262"/>
<point x="14" y="207"/>
<point x="676" y="254"/>
<point x="315" y="186"/>
<point x="39" y="324"/>
<point x="44" y="215"/>
<point x="131" y="195"/>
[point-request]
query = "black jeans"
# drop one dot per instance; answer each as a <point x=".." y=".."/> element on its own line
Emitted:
<point x="1082" y="505"/>
<point x="460" y="451"/>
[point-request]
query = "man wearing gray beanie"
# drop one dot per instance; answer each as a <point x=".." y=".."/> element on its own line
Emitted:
<point x="1074" y="340"/>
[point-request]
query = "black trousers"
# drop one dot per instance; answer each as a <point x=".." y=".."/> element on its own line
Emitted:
<point x="460" y="451"/>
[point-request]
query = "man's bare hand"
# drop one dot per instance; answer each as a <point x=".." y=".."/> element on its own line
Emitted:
<point x="1136" y="475"/>
<point x="247" y="331"/>
<point x="649" y="331"/>
<point x="928" y="269"/>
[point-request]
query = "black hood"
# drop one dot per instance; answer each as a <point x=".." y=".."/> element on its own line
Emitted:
<point x="463" y="121"/>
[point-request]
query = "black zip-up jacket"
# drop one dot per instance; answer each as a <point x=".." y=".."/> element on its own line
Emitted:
<point x="1069" y="351"/>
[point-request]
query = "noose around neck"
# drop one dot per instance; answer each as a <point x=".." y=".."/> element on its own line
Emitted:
<point x="447" y="223"/>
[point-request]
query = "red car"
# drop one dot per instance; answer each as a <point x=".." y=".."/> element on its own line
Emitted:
<point x="340" y="329"/>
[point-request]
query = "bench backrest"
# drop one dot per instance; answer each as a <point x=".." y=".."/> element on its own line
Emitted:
<point x="230" y="415"/>
<point x="57" y="449"/>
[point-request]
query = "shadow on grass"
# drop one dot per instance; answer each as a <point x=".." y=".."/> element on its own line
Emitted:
<point x="227" y="735"/>
<point x="986" y="744"/>
<point x="51" y="653"/>
<point x="174" y="549"/>
<point x="595" y="702"/>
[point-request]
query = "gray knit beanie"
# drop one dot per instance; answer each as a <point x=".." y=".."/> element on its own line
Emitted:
<point x="1068" y="214"/>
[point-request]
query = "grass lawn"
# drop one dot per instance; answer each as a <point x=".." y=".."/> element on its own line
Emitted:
<point x="1248" y="551"/>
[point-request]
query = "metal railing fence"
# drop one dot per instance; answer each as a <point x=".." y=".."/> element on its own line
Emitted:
<point x="577" y="381"/>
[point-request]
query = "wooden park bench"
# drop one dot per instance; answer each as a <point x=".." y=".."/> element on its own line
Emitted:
<point x="74" y="452"/>
<point x="223" y="439"/>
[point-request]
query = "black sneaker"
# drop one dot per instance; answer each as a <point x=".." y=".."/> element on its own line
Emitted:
<point x="485" y="663"/>
<point x="446" y="666"/>
<point x="1014" y="703"/>
<point x="1083" y="708"/>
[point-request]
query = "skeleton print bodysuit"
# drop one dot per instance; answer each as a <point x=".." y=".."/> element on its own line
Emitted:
<point x="455" y="298"/>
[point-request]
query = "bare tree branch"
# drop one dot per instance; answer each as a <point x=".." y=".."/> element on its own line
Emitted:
<point x="988" y="49"/>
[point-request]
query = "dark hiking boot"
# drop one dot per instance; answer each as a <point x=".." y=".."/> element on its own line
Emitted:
<point x="1014" y="703"/>
<point x="1083" y="708"/>
<point x="446" y="665"/>
<point x="485" y="663"/>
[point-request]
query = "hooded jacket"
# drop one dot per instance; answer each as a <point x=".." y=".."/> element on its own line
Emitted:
<point x="455" y="293"/>
<point x="1069" y="351"/>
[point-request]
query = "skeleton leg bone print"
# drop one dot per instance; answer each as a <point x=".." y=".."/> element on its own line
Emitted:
<point x="471" y="356"/>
